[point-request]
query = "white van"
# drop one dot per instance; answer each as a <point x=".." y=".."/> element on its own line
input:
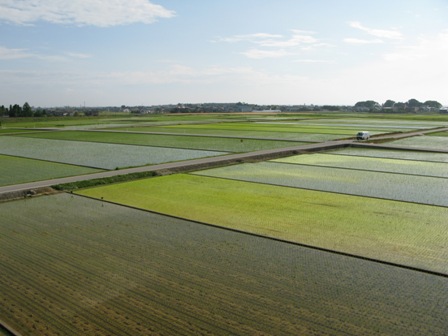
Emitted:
<point x="363" y="135"/>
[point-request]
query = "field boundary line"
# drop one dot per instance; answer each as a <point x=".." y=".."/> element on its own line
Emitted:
<point x="316" y="190"/>
<point x="323" y="249"/>
<point x="358" y="169"/>
<point x="55" y="162"/>
<point x="9" y="329"/>
<point x="200" y="135"/>
<point x="383" y="157"/>
<point x="131" y="144"/>
<point x="399" y="148"/>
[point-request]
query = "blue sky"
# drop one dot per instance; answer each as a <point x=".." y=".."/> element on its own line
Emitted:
<point x="140" y="52"/>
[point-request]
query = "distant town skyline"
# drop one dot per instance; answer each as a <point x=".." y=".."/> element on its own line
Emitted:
<point x="285" y="52"/>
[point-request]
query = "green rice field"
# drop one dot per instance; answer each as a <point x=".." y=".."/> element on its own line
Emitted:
<point x="372" y="122"/>
<point x="55" y="122"/>
<point x="15" y="170"/>
<point x="112" y="270"/>
<point x="393" y="154"/>
<point x="297" y="129"/>
<point x="97" y="155"/>
<point x="429" y="142"/>
<point x="15" y="131"/>
<point x="400" y="187"/>
<point x="272" y="127"/>
<point x="349" y="241"/>
<point x="234" y="133"/>
<point x="172" y="141"/>
<point x="398" y="232"/>
<point x="407" y="167"/>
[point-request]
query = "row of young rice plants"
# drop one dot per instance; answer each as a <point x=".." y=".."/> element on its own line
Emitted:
<point x="393" y="154"/>
<point x="407" y="167"/>
<point x="15" y="170"/>
<point x="234" y="133"/>
<point x="98" y="155"/>
<point x="425" y="141"/>
<point x="172" y="141"/>
<point x="55" y="122"/>
<point x="114" y="270"/>
<point x="87" y="127"/>
<point x="399" y="232"/>
<point x="377" y="123"/>
<point x="338" y="128"/>
<point x="393" y="186"/>
<point x="270" y="127"/>
<point x="341" y="125"/>
<point x="189" y="118"/>
<point x="14" y="131"/>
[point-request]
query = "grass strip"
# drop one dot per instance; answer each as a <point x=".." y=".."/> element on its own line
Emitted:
<point x="103" y="181"/>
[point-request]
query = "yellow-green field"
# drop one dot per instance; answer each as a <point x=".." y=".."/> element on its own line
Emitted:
<point x="398" y="232"/>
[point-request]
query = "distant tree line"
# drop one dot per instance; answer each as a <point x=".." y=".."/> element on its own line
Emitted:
<point x="17" y="111"/>
<point x="412" y="105"/>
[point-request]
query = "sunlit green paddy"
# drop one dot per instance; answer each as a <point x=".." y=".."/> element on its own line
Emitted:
<point x="399" y="232"/>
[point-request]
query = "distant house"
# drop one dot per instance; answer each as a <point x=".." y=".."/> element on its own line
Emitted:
<point x="268" y="111"/>
<point x="443" y="109"/>
<point x="244" y="108"/>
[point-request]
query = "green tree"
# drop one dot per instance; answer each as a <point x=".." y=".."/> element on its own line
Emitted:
<point x="433" y="104"/>
<point x="400" y="106"/>
<point x="26" y="110"/>
<point x="413" y="103"/>
<point x="15" y="111"/>
<point x="369" y="105"/>
<point x="389" y="103"/>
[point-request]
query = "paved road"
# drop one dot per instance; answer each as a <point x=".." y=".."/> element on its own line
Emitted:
<point x="215" y="161"/>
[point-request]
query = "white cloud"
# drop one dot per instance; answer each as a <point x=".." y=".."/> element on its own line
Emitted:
<point x="362" y="41"/>
<point x="380" y="33"/>
<point x="298" y="37"/>
<point x="175" y="73"/>
<point x="102" y="13"/>
<point x="426" y="48"/>
<point x="417" y="70"/>
<point x="12" y="54"/>
<point x="78" y="55"/>
<point x="16" y="54"/>
<point x="260" y="54"/>
<point x="313" y="61"/>
<point x="252" y="38"/>
<point x="274" y="45"/>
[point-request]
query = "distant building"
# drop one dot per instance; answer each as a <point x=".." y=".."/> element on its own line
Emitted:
<point x="268" y="111"/>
